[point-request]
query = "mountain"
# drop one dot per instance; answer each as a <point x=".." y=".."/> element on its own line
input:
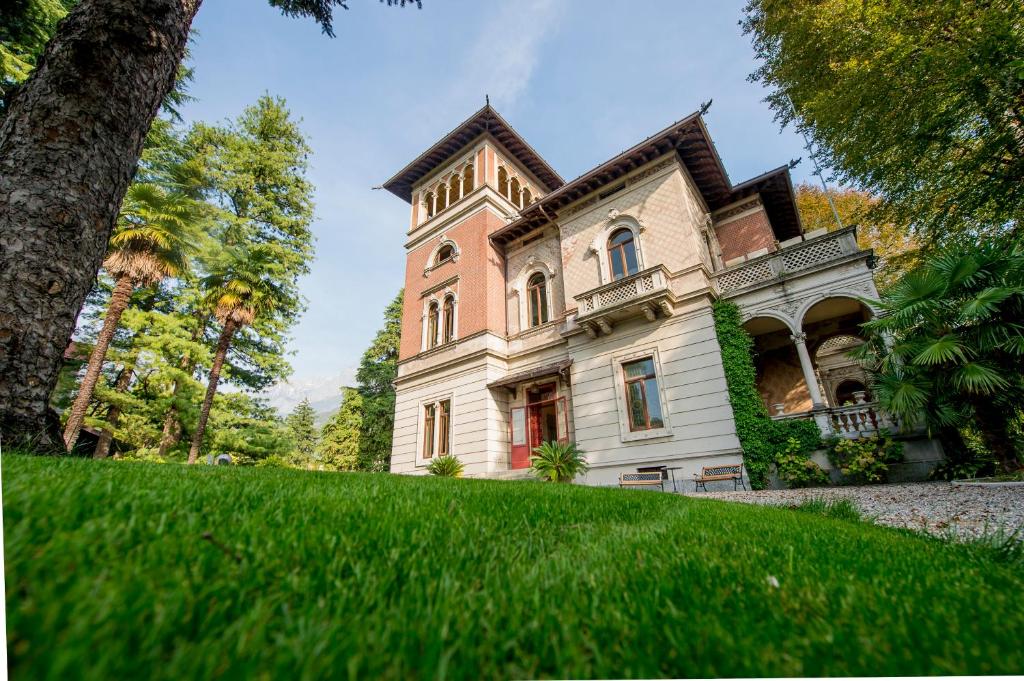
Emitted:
<point x="323" y="392"/>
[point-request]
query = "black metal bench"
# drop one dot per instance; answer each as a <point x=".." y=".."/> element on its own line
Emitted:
<point x="648" y="479"/>
<point x="708" y="474"/>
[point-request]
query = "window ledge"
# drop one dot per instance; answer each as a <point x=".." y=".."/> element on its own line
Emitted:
<point x="652" y="434"/>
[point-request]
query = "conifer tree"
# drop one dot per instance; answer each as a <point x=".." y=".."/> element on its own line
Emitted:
<point x="302" y="426"/>
<point x="339" y="439"/>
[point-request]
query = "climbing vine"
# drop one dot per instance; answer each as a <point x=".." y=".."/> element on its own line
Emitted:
<point x="763" y="440"/>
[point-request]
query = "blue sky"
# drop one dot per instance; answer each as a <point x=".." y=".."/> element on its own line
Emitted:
<point x="581" y="80"/>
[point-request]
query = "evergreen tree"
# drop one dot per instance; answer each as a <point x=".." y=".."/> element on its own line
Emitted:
<point x="301" y="424"/>
<point x="339" y="439"/>
<point x="376" y="374"/>
<point x="919" y="103"/>
<point x="60" y="190"/>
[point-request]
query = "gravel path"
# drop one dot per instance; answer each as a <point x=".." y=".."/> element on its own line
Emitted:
<point x="936" y="507"/>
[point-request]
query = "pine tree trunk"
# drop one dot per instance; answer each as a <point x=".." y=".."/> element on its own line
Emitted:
<point x="172" y="428"/>
<point x="118" y="302"/>
<point x="114" y="413"/>
<point x="211" y="390"/>
<point x="69" y="144"/>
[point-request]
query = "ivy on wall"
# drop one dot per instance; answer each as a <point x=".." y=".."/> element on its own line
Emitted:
<point x="763" y="440"/>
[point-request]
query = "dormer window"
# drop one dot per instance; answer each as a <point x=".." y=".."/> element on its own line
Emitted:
<point x="622" y="254"/>
<point x="446" y="252"/>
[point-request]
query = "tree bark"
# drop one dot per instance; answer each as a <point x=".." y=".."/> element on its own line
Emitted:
<point x="69" y="145"/>
<point x="114" y="413"/>
<point x="118" y="302"/>
<point x="204" y="414"/>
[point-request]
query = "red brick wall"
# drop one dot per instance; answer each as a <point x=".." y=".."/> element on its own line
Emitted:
<point x="745" y="235"/>
<point x="480" y="289"/>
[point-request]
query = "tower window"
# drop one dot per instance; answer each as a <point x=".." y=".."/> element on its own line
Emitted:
<point x="516" y="195"/>
<point x="432" y="322"/>
<point x="448" y="323"/>
<point x="446" y="252"/>
<point x="467" y="180"/>
<point x="503" y="182"/>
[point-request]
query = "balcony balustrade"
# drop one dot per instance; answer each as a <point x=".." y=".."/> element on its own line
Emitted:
<point x="646" y="292"/>
<point x="789" y="259"/>
<point x="851" y="421"/>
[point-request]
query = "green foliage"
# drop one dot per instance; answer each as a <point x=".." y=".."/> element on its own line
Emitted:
<point x="247" y="429"/>
<point x="361" y="431"/>
<point x="865" y="459"/>
<point x="377" y="371"/>
<point x="25" y="28"/>
<point x="447" y="466"/>
<point x="917" y="102"/>
<point x="304" y="433"/>
<point x="338" y="448"/>
<point x="949" y="345"/>
<point x="762" y="438"/>
<point x="796" y="469"/>
<point x="558" y="461"/>
<point x="895" y="248"/>
<point x="434" y="578"/>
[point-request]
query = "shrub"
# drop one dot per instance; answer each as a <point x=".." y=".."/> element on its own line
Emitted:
<point x="865" y="459"/>
<point x="447" y="466"/>
<point x="796" y="469"/>
<point x="761" y="437"/>
<point x="558" y="461"/>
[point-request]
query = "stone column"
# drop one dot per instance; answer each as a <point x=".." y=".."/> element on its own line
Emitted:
<point x="800" y="340"/>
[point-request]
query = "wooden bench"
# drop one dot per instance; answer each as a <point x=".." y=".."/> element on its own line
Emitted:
<point x="732" y="472"/>
<point x="642" y="480"/>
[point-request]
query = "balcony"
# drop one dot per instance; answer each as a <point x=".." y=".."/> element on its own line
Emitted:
<point x="851" y="421"/>
<point x="644" y="293"/>
<point x="795" y="255"/>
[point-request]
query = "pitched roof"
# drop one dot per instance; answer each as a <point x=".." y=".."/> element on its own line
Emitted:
<point x="690" y="139"/>
<point x="484" y="120"/>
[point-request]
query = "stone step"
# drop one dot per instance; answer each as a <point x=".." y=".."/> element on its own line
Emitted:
<point x="517" y="474"/>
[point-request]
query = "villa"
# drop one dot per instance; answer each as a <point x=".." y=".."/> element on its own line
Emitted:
<point x="538" y="309"/>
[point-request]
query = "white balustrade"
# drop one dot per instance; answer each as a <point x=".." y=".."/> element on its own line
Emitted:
<point x="795" y="258"/>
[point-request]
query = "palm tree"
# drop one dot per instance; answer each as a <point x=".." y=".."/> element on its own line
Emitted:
<point x="242" y="286"/>
<point x="949" y="344"/>
<point x="157" y="232"/>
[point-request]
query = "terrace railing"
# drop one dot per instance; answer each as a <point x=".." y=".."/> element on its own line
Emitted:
<point x="791" y="258"/>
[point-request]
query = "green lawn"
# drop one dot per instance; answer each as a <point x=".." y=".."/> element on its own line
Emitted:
<point x="308" y="575"/>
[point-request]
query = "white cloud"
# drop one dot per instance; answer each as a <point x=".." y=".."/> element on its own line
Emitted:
<point x="506" y="52"/>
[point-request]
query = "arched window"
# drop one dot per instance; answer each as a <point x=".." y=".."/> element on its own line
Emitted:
<point x="429" y="201"/>
<point x="622" y="254"/>
<point x="442" y="197"/>
<point x="527" y="198"/>
<point x="537" y="298"/>
<point x="448" y="327"/>
<point x="515" y="196"/>
<point x="432" y="321"/>
<point x="454" y="189"/>
<point x="467" y="180"/>
<point x="446" y="252"/>
<point x="503" y="182"/>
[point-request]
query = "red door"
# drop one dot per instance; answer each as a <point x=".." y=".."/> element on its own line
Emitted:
<point x="520" y="439"/>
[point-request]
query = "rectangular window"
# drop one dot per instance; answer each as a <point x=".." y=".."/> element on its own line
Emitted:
<point x="643" y="401"/>
<point x="428" y="431"/>
<point x="444" y="435"/>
